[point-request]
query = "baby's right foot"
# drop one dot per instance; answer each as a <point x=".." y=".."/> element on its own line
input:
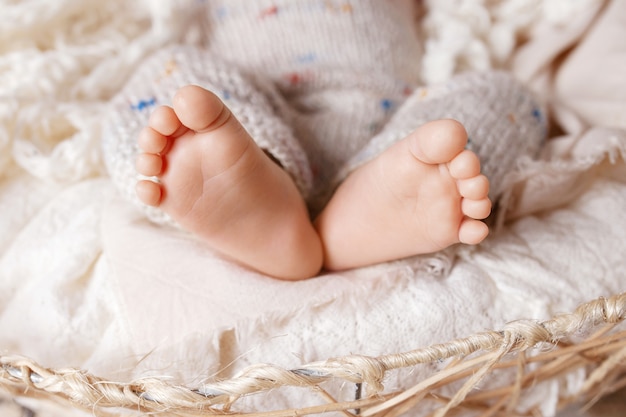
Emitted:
<point x="218" y="184"/>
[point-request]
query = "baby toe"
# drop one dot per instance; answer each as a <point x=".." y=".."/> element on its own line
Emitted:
<point x="465" y="165"/>
<point x="439" y="141"/>
<point x="199" y="109"/>
<point x="476" y="209"/>
<point x="164" y="121"/>
<point x="475" y="188"/>
<point x="472" y="232"/>
<point x="149" y="192"/>
<point x="151" y="141"/>
<point x="149" y="164"/>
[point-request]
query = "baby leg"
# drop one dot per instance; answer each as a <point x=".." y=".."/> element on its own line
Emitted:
<point x="205" y="166"/>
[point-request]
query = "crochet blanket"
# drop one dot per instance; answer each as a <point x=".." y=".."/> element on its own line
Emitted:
<point x="86" y="281"/>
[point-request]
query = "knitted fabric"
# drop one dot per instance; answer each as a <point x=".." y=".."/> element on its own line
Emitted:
<point x="505" y="124"/>
<point x="318" y="85"/>
<point x="332" y="62"/>
<point x="155" y="83"/>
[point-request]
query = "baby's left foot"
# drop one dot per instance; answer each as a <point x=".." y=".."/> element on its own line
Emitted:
<point x="421" y="195"/>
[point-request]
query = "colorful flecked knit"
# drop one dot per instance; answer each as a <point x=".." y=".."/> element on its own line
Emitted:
<point x="323" y="86"/>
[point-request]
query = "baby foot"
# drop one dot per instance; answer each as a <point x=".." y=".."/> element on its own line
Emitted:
<point x="421" y="195"/>
<point x="218" y="184"/>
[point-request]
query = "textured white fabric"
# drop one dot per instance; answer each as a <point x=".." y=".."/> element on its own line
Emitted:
<point x="86" y="281"/>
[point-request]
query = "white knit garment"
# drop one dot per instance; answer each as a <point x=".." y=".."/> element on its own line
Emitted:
<point x="156" y="82"/>
<point x="316" y="85"/>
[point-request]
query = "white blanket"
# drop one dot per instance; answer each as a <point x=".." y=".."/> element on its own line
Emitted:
<point x="86" y="281"/>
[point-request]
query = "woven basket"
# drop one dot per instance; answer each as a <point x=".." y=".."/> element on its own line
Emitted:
<point x="586" y="340"/>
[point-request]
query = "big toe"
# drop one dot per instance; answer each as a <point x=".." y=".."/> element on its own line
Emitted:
<point x="439" y="141"/>
<point x="199" y="109"/>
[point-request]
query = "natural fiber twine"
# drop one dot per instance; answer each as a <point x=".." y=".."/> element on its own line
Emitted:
<point x="548" y="346"/>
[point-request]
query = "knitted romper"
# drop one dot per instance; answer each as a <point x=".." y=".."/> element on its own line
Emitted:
<point x="323" y="86"/>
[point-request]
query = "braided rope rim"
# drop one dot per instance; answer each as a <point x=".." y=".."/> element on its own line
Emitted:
<point x="472" y="359"/>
